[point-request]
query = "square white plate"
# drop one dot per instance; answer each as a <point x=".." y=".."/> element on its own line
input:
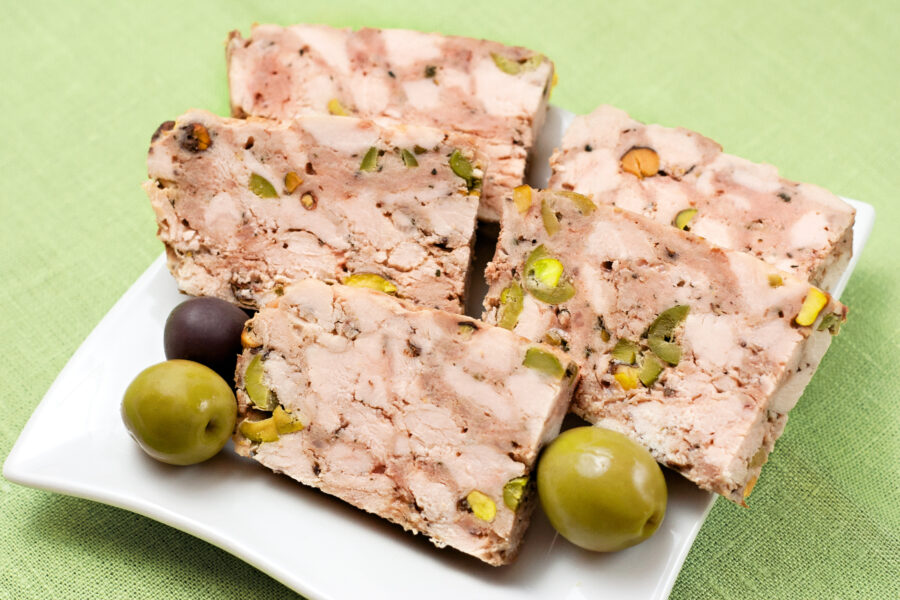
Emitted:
<point x="75" y="444"/>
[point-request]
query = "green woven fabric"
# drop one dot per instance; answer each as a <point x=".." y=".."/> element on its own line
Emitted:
<point x="812" y="87"/>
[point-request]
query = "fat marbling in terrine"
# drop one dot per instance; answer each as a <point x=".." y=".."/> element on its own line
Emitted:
<point x="679" y="177"/>
<point x="496" y="92"/>
<point x="246" y="206"/>
<point x="694" y="351"/>
<point x="426" y="418"/>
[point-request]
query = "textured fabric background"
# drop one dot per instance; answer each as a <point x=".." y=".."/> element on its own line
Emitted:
<point x="812" y="87"/>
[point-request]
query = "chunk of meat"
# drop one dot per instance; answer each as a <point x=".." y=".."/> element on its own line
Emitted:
<point x="245" y="207"/>
<point x="705" y="387"/>
<point x="796" y="227"/>
<point x="420" y="416"/>
<point x="498" y="93"/>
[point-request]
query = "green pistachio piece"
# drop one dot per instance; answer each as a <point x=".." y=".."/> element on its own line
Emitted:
<point x="548" y="215"/>
<point x="831" y="322"/>
<point x="664" y="325"/>
<point x="625" y="351"/>
<point x="292" y="181"/>
<point x="813" y="304"/>
<point x="683" y="218"/>
<point x="308" y="201"/>
<point x="510" y="306"/>
<point x="584" y="204"/>
<point x="284" y="422"/>
<point x="759" y="458"/>
<point x="553" y="338"/>
<point x="601" y="327"/>
<point x="513" y="492"/>
<point x="460" y="165"/>
<point x="260" y="186"/>
<point x="465" y="329"/>
<point x="543" y="361"/>
<point x="668" y="351"/>
<point x="514" y="67"/>
<point x="408" y="158"/>
<point x="522" y="198"/>
<point x="260" y="395"/>
<point x="548" y="271"/>
<point x="259" y="431"/>
<point x="336" y="108"/>
<point x="548" y="207"/>
<point x="651" y="367"/>
<point x="537" y="277"/>
<point x="371" y="281"/>
<point x="482" y="506"/>
<point x="370" y="160"/>
<point x="627" y="377"/>
<point x="775" y="280"/>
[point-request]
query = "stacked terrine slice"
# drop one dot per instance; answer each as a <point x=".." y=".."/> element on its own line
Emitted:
<point x="696" y="352"/>
<point x="678" y="177"/>
<point x="496" y="92"/>
<point x="426" y="418"/>
<point x="245" y="207"/>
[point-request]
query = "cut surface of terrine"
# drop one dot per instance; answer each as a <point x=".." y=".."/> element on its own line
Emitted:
<point x="426" y="418"/>
<point x="484" y="88"/>
<point x="244" y="207"/>
<point x="624" y="295"/>
<point x="660" y="172"/>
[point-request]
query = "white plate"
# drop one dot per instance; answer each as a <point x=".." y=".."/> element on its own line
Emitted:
<point x="75" y="444"/>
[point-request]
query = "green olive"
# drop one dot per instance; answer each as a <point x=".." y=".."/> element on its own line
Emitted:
<point x="600" y="490"/>
<point x="543" y="277"/>
<point x="179" y="412"/>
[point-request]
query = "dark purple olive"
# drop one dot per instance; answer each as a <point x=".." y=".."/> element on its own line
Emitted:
<point x="207" y="331"/>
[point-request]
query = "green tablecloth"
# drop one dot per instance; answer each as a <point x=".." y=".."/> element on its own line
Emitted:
<point x="811" y="87"/>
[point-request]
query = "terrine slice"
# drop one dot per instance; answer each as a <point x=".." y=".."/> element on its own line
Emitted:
<point x="484" y="88"/>
<point x="694" y="351"/>
<point x="244" y="207"/>
<point x="429" y="419"/>
<point x="678" y="177"/>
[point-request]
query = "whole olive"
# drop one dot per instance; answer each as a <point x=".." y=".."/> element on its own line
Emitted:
<point x="600" y="490"/>
<point x="207" y="331"/>
<point x="179" y="412"/>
